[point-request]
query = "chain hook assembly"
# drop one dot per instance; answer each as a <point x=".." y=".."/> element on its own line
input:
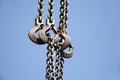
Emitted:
<point x="59" y="43"/>
<point x="66" y="43"/>
<point x="49" y="26"/>
<point x="44" y="37"/>
<point x="34" y="30"/>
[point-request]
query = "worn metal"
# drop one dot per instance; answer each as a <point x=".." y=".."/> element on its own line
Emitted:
<point x="66" y="44"/>
<point x="44" y="36"/>
<point x="56" y="44"/>
<point x="39" y="24"/>
<point x="50" y="60"/>
<point x="33" y="37"/>
<point x="59" y="62"/>
<point x="62" y="29"/>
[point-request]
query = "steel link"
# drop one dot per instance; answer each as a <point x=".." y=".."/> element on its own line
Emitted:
<point x="50" y="60"/>
<point x="53" y="72"/>
<point x="39" y="24"/>
<point x="50" y="14"/>
<point x="39" y="19"/>
<point x="59" y="63"/>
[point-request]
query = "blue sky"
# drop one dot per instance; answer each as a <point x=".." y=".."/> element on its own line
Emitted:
<point x="94" y="27"/>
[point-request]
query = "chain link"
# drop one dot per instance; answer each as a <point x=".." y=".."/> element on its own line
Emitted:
<point x="53" y="72"/>
<point x="63" y="16"/>
<point x="50" y="17"/>
<point x="59" y="63"/>
<point x="50" y="60"/>
<point x="39" y="19"/>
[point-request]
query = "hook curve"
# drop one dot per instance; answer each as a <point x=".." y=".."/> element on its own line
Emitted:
<point x="32" y="36"/>
<point x="42" y="34"/>
<point x="68" y="54"/>
<point x="66" y="44"/>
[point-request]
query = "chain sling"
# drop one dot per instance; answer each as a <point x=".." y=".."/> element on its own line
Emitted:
<point x="56" y="44"/>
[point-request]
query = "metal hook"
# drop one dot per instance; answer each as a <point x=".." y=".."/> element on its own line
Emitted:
<point x="32" y="36"/>
<point x="42" y="34"/>
<point x="68" y="54"/>
<point x="65" y="44"/>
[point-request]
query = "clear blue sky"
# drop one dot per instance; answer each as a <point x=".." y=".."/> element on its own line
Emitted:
<point x="94" y="27"/>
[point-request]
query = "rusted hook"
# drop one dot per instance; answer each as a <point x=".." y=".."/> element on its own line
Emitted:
<point x="42" y="34"/>
<point x="66" y="44"/>
<point x="32" y="36"/>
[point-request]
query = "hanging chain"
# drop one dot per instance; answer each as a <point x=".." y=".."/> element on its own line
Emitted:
<point x="50" y="17"/>
<point x="58" y="44"/>
<point x="62" y="29"/>
<point x="50" y="60"/>
<point x="39" y="19"/>
<point x="59" y="63"/>
<point x="63" y="16"/>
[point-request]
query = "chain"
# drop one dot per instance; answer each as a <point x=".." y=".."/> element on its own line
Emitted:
<point x="59" y="63"/>
<point x="53" y="72"/>
<point x="39" y="19"/>
<point x="66" y="13"/>
<point x="50" y="60"/>
<point x="63" y="16"/>
<point x="50" y="17"/>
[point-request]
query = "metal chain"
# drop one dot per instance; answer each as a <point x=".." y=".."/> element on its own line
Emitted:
<point x="63" y="16"/>
<point x="59" y="63"/>
<point x="50" y="17"/>
<point x="66" y="13"/>
<point x="50" y="60"/>
<point x="51" y="72"/>
<point x="61" y="29"/>
<point x="39" y="19"/>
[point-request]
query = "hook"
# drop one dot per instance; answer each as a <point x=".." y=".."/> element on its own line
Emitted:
<point x="32" y="36"/>
<point x="65" y="44"/>
<point x="68" y="54"/>
<point x="42" y="34"/>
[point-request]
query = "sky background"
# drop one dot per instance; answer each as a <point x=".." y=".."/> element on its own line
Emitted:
<point x="94" y="27"/>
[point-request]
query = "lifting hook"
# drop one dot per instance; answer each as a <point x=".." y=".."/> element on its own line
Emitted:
<point x="32" y="36"/>
<point x="44" y="37"/>
<point x="66" y="44"/>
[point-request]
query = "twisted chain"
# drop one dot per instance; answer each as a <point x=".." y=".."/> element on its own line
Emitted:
<point x="50" y="60"/>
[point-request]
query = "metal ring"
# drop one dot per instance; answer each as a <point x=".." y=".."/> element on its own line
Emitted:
<point x="32" y="36"/>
